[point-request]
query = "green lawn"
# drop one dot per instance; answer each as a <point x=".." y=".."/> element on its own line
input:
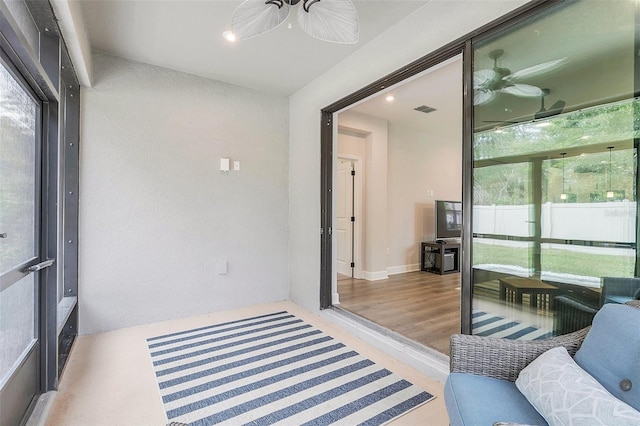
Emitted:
<point x="554" y="260"/>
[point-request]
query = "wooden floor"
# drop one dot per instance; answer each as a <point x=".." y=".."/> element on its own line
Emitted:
<point x="421" y="306"/>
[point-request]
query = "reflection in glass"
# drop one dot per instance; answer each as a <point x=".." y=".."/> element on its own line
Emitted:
<point x="554" y="179"/>
<point x="17" y="171"/>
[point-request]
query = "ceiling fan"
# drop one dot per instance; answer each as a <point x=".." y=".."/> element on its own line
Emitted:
<point x="556" y="108"/>
<point x="543" y="112"/>
<point x="488" y="83"/>
<point x="329" y="20"/>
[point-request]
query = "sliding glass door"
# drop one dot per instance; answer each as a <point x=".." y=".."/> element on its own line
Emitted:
<point x="555" y="128"/>
<point x="20" y="177"/>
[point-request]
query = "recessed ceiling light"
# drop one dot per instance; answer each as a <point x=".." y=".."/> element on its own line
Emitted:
<point x="229" y="36"/>
<point x="390" y="98"/>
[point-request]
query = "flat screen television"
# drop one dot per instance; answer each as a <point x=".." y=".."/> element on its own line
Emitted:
<point x="448" y="219"/>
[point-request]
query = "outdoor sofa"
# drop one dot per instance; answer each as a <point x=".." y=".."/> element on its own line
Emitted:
<point x="555" y="388"/>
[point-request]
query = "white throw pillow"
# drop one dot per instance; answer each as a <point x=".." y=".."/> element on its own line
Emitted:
<point x="565" y="394"/>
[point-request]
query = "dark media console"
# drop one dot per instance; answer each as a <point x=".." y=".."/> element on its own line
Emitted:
<point x="440" y="257"/>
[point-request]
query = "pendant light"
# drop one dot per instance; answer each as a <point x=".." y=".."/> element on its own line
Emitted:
<point x="609" y="192"/>
<point x="563" y="196"/>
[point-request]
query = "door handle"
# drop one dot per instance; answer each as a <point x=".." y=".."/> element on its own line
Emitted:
<point x="3" y="235"/>
<point x="40" y="265"/>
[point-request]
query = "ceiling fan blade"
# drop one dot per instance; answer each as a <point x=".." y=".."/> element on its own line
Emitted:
<point x="536" y="70"/>
<point x="330" y="20"/>
<point x="482" y="97"/>
<point x="255" y="17"/>
<point x="482" y="79"/>
<point x="523" y="91"/>
<point x="556" y="108"/>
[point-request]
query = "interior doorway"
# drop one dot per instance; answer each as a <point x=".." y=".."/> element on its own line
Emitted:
<point x="349" y="216"/>
<point x="409" y="140"/>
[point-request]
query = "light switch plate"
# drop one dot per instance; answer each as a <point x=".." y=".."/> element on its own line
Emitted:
<point x="224" y="164"/>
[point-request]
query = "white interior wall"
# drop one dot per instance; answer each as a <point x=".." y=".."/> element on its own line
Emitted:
<point x="430" y="27"/>
<point x="420" y="162"/>
<point x="158" y="218"/>
<point x="375" y="191"/>
<point x="351" y="144"/>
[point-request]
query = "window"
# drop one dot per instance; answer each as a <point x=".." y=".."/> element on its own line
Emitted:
<point x="554" y="177"/>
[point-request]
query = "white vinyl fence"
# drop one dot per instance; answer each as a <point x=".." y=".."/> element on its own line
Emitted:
<point x="613" y="221"/>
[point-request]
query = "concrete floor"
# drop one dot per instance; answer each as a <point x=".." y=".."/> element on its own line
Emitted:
<point x="108" y="379"/>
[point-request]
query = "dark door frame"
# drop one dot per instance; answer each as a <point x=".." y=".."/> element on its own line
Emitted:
<point x="462" y="45"/>
<point x="31" y="42"/>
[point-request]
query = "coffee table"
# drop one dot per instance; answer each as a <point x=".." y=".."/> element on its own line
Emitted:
<point x="540" y="293"/>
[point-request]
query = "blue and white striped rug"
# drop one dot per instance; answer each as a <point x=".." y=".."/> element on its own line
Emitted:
<point x="487" y="324"/>
<point x="274" y="368"/>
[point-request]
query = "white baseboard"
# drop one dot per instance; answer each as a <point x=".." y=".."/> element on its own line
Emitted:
<point x="403" y="268"/>
<point x="375" y="276"/>
<point x="393" y="270"/>
<point x="335" y="299"/>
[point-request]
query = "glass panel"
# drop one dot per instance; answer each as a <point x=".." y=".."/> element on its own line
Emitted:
<point x="17" y="323"/>
<point x="18" y="120"/>
<point x="18" y="114"/>
<point x="554" y="196"/>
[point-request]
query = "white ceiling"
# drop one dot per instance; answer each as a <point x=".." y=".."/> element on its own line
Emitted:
<point x="186" y="35"/>
<point x="439" y="87"/>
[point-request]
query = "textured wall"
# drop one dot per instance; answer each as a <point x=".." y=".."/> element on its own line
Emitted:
<point x="157" y="217"/>
<point x="430" y="27"/>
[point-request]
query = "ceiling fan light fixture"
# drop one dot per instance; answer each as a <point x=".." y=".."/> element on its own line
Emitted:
<point x="328" y="20"/>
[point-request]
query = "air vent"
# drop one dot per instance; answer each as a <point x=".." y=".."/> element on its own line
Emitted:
<point x="425" y="109"/>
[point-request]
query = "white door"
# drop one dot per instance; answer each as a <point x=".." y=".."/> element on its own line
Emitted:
<point x="344" y="213"/>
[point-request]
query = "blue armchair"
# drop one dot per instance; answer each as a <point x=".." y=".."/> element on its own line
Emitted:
<point x="620" y="290"/>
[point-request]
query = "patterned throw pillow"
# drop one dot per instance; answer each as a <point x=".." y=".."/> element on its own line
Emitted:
<point x="565" y="394"/>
